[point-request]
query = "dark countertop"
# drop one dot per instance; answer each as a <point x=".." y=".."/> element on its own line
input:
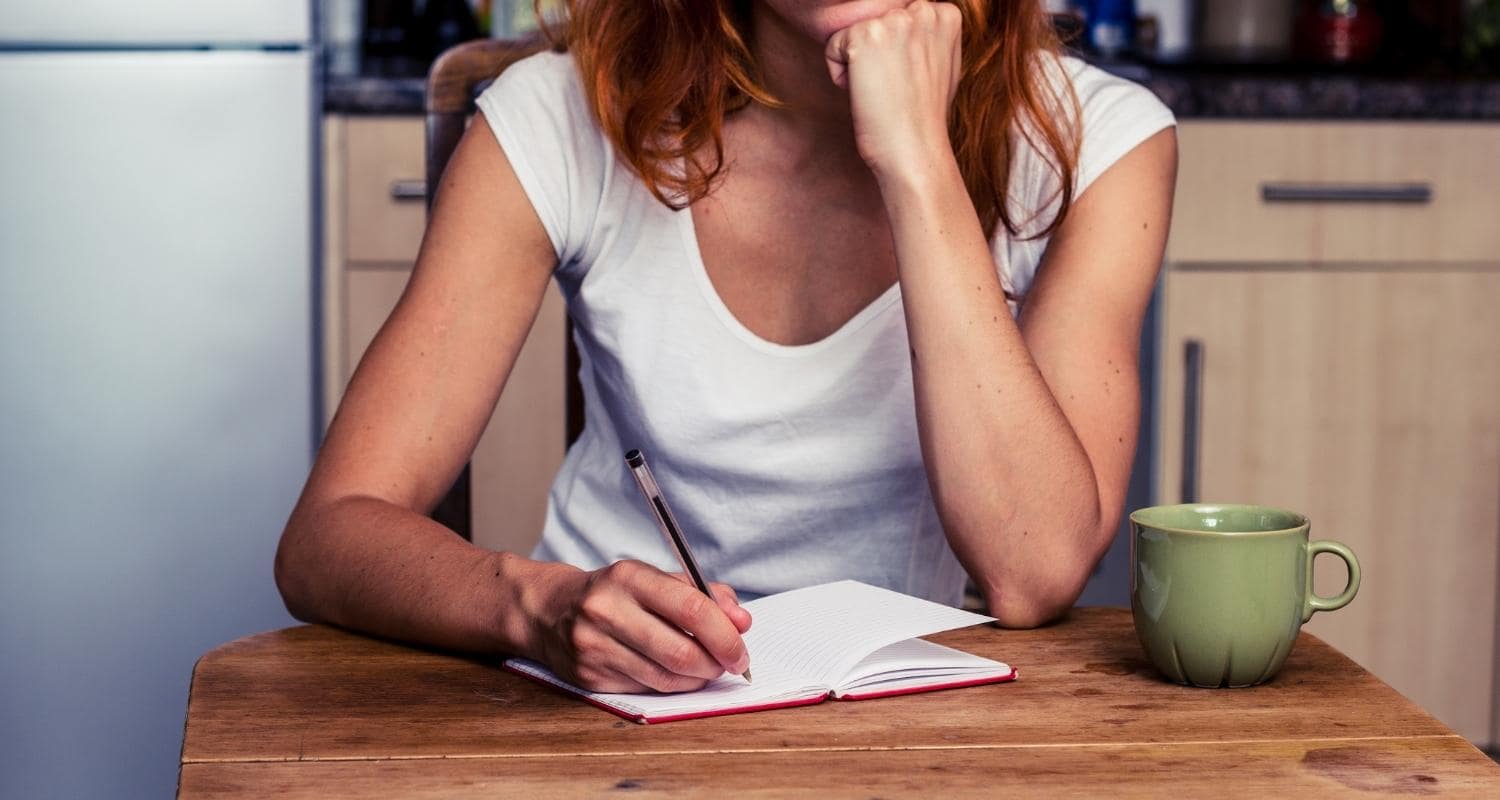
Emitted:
<point x="1304" y="93"/>
<point x="373" y="95"/>
<point x="1190" y="91"/>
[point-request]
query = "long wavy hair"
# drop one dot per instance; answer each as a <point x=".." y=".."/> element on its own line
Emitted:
<point x="662" y="75"/>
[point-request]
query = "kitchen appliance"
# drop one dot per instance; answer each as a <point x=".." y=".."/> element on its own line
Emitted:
<point x="157" y="412"/>
<point x="1246" y="30"/>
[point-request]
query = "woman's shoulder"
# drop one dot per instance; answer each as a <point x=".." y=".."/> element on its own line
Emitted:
<point x="1102" y="93"/>
<point x="539" y="114"/>
<point x="544" y="75"/>
<point x="539" y="103"/>
<point x="1111" y="117"/>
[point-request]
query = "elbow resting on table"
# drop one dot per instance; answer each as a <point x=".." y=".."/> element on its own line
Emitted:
<point x="290" y="580"/>
<point x="1045" y="587"/>
<point x="1033" y="603"/>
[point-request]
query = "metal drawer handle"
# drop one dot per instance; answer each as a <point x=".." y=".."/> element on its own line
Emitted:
<point x="1412" y="193"/>
<point x="408" y="190"/>
<point x="1192" y="417"/>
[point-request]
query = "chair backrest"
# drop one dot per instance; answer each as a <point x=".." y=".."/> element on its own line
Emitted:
<point x="456" y="78"/>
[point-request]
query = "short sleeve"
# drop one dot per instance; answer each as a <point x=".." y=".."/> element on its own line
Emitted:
<point x="537" y="111"/>
<point x="1118" y="115"/>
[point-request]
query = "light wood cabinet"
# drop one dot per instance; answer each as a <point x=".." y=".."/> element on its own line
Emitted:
<point x="1346" y="377"/>
<point x="1223" y="215"/>
<point x="374" y="218"/>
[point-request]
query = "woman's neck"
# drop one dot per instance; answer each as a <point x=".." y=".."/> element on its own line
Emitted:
<point x="813" y="126"/>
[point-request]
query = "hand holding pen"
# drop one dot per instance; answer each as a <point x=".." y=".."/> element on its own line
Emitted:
<point x="665" y="521"/>
<point x="630" y="627"/>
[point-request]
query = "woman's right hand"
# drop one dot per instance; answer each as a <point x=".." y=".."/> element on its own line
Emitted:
<point x="630" y="627"/>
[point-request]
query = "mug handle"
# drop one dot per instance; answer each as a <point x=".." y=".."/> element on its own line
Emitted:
<point x="1317" y="603"/>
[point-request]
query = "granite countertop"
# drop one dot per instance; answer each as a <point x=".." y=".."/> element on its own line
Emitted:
<point x="369" y="94"/>
<point x="1190" y="91"/>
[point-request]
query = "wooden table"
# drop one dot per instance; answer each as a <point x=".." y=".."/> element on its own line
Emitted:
<point x="315" y="712"/>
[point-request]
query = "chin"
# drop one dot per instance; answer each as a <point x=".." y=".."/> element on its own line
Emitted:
<point x="823" y="18"/>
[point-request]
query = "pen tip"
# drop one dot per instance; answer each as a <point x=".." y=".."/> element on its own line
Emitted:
<point x="746" y="673"/>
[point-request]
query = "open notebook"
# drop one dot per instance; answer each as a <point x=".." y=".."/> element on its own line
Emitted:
<point x="847" y="640"/>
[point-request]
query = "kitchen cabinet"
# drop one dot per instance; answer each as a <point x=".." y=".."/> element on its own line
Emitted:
<point x="374" y="216"/>
<point x="1349" y="369"/>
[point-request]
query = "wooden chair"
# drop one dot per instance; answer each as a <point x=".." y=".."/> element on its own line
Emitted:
<point x="456" y="78"/>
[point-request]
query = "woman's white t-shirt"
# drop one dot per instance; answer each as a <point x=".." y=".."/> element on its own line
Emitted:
<point x="786" y="466"/>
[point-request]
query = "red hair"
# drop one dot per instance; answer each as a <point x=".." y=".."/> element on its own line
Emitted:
<point x="661" y="76"/>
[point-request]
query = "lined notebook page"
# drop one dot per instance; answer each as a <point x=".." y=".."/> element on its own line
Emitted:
<point x="920" y="662"/>
<point x="802" y="644"/>
<point x="822" y="632"/>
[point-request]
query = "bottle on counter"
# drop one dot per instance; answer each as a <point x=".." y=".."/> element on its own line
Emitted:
<point x="1339" y="31"/>
<point x="1110" y="26"/>
<point x="1173" y="23"/>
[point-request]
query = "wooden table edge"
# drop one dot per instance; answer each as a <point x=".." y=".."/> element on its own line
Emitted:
<point x="1331" y="740"/>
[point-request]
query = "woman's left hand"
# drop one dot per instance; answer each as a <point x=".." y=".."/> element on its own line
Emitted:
<point x="901" y="69"/>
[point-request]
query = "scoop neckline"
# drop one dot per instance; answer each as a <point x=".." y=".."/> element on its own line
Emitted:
<point x="688" y="229"/>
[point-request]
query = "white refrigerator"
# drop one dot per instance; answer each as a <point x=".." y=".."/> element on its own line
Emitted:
<point x="157" y="410"/>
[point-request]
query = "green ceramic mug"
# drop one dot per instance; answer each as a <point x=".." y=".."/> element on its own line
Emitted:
<point x="1219" y="592"/>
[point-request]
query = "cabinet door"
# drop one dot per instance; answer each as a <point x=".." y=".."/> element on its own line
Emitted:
<point x="1369" y="401"/>
<point x="523" y="445"/>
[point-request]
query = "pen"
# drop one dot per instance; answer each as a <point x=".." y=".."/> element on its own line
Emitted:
<point x="636" y="460"/>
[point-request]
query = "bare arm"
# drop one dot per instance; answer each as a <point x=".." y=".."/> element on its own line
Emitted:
<point x="1027" y="430"/>
<point x="359" y="551"/>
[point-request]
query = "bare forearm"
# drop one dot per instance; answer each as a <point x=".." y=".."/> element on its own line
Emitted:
<point x="369" y="565"/>
<point x="1012" y="482"/>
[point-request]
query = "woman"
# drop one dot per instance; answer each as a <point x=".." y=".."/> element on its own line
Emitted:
<point x="865" y="279"/>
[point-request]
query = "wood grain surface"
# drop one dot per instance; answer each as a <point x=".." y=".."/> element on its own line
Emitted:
<point x="1405" y="766"/>
<point x="317" y="693"/>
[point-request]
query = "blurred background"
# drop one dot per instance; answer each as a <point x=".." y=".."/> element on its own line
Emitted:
<point x="211" y="207"/>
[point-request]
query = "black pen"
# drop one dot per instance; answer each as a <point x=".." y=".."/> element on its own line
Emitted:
<point x="636" y="460"/>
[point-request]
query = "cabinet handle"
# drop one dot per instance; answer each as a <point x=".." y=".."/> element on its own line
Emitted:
<point x="1409" y="193"/>
<point x="408" y="190"/>
<point x="1192" y="413"/>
